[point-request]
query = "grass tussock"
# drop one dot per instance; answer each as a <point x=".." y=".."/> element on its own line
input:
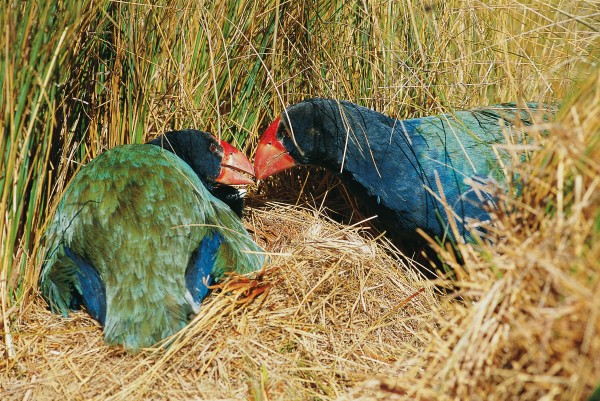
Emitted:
<point x="345" y="317"/>
<point x="528" y="321"/>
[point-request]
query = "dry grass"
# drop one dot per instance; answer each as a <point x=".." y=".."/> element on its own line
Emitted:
<point x="344" y="317"/>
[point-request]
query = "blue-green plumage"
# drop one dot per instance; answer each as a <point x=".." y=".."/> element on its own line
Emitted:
<point x="199" y="274"/>
<point x="391" y="165"/>
<point x="90" y="290"/>
<point x="137" y="237"/>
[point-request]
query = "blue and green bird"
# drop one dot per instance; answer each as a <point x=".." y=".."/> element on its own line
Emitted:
<point x="140" y="233"/>
<point x="393" y="166"/>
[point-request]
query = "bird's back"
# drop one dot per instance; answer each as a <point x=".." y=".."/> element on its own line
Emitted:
<point x="402" y="160"/>
<point x="134" y="215"/>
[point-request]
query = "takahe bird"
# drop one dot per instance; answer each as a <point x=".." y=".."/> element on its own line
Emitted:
<point x="392" y="165"/>
<point x="138" y="237"/>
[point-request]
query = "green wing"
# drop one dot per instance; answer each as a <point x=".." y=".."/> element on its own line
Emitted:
<point x="134" y="216"/>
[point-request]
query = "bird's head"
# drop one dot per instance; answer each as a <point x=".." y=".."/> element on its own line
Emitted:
<point x="213" y="160"/>
<point x="301" y="135"/>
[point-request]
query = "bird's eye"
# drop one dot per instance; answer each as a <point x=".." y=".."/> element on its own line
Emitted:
<point x="212" y="148"/>
<point x="285" y="133"/>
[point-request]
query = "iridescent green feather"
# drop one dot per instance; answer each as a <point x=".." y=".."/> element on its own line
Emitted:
<point x="137" y="213"/>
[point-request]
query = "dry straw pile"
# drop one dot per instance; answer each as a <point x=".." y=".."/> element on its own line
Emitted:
<point x="338" y="314"/>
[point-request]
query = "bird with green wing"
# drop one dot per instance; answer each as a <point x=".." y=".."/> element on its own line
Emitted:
<point x="142" y="231"/>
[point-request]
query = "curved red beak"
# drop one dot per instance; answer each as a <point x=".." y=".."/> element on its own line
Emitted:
<point x="271" y="156"/>
<point x="236" y="169"/>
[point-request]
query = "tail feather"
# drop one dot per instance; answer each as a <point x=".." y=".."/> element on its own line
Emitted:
<point x="59" y="285"/>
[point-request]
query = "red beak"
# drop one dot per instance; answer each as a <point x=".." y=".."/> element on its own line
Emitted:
<point x="236" y="169"/>
<point x="271" y="156"/>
